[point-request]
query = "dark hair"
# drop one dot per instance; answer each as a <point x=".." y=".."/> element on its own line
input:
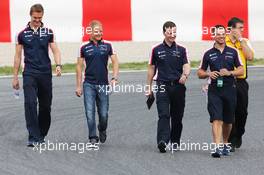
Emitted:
<point x="233" y="21"/>
<point x="36" y="8"/>
<point x="168" y="24"/>
<point x="218" y="26"/>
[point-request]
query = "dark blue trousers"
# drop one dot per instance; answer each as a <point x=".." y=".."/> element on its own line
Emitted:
<point x="38" y="99"/>
<point x="170" y="105"/>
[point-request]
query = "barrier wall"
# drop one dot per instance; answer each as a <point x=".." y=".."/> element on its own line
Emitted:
<point x="137" y="22"/>
<point x="133" y="20"/>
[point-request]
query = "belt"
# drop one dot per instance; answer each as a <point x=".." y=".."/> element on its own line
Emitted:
<point x="168" y="83"/>
<point x="214" y="85"/>
<point x="240" y="79"/>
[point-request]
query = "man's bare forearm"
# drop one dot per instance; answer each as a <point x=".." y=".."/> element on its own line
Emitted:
<point x="186" y="69"/>
<point x="17" y="62"/>
<point x="115" y="68"/>
<point x="57" y="56"/>
<point x="150" y="76"/>
<point x="249" y="54"/>
<point x="56" y="53"/>
<point x="238" y="72"/>
<point x="115" y="65"/>
<point x="202" y="74"/>
<point x="78" y="75"/>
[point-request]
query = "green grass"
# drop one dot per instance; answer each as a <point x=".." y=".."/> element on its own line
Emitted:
<point x="132" y="66"/>
<point x="256" y="62"/>
<point x="69" y="68"/>
<point x="6" y="70"/>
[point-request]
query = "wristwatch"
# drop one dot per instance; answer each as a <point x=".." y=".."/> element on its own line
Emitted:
<point x="114" y="79"/>
<point x="59" y="65"/>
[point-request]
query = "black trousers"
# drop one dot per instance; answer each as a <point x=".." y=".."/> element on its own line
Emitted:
<point x="238" y="128"/>
<point x="170" y="105"/>
<point x="38" y="99"/>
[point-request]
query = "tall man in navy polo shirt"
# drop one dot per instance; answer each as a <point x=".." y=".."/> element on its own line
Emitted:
<point x="170" y="67"/>
<point x="95" y="53"/>
<point x="35" y="39"/>
<point x="222" y="61"/>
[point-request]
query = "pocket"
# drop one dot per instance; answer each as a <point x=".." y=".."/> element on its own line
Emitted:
<point x="230" y="61"/>
<point x="161" y="96"/>
<point x="247" y="85"/>
<point x="183" y="87"/>
<point x="86" y="85"/>
<point x="43" y="42"/>
<point x="179" y="62"/>
<point x="28" y="43"/>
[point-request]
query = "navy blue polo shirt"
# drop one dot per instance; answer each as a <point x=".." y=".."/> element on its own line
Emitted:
<point x="96" y="60"/>
<point x="168" y="61"/>
<point x="216" y="60"/>
<point x="36" y="49"/>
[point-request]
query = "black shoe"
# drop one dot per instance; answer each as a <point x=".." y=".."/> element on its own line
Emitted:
<point x="175" y="147"/>
<point x="94" y="140"/>
<point x="162" y="146"/>
<point x="217" y="153"/>
<point x="233" y="148"/>
<point x="239" y="142"/>
<point x="41" y="141"/>
<point x="102" y="136"/>
<point x="30" y="144"/>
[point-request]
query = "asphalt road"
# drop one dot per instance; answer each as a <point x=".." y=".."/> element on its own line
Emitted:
<point x="131" y="144"/>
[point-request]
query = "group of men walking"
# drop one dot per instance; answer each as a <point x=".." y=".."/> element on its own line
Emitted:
<point x="169" y="66"/>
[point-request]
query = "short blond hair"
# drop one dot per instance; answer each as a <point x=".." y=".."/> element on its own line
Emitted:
<point x="95" y="23"/>
<point x="36" y="8"/>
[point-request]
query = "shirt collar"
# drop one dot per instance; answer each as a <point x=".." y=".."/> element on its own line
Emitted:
<point x="173" y="44"/>
<point x="98" y="42"/>
<point x="218" y="49"/>
<point x="29" y="27"/>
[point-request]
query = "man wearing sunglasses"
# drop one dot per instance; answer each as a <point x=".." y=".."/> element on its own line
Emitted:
<point x="235" y="39"/>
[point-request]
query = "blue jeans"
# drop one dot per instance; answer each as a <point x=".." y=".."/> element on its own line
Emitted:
<point x="96" y="94"/>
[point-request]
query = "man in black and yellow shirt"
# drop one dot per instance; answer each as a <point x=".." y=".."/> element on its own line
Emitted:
<point x="235" y="39"/>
